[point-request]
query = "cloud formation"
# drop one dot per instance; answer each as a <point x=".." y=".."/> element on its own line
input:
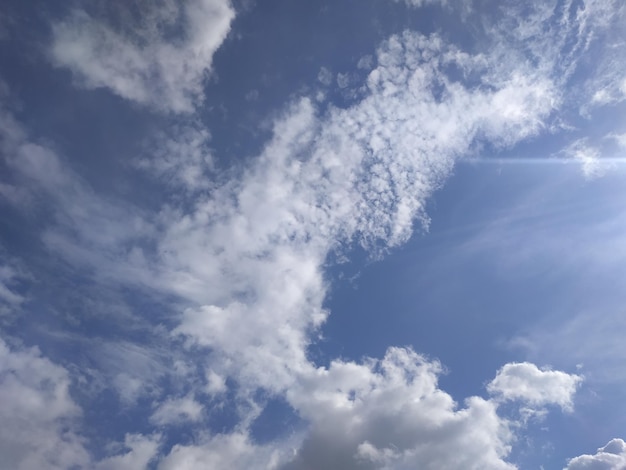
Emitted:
<point x="39" y="416"/>
<point x="392" y="414"/>
<point x="610" y="457"/>
<point x="138" y="60"/>
<point x="525" y="381"/>
<point x="245" y="256"/>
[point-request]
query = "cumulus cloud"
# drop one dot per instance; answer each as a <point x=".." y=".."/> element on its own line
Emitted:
<point x="392" y="414"/>
<point x="138" y="60"/>
<point x="610" y="457"/>
<point x="525" y="381"/>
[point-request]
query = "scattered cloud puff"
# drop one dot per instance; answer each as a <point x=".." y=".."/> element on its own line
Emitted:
<point x="138" y="60"/>
<point x="177" y="411"/>
<point x="592" y="164"/>
<point x="620" y="139"/>
<point x="325" y="76"/>
<point x="610" y="457"/>
<point x="420" y="3"/>
<point x="524" y="381"/>
<point x="140" y="451"/>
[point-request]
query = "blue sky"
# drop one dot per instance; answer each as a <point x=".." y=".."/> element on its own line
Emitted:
<point x="366" y="234"/>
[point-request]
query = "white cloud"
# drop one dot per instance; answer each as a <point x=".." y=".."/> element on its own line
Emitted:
<point x="252" y="254"/>
<point x="366" y="62"/>
<point x="11" y="274"/>
<point x="343" y="80"/>
<point x="325" y="76"/>
<point x="216" y="384"/>
<point x="131" y="369"/>
<point x="41" y="422"/>
<point x="177" y="411"/>
<point x="620" y="139"/>
<point x="420" y="3"/>
<point x="141" y="451"/>
<point x="247" y="258"/>
<point x="37" y="413"/>
<point x="249" y="255"/>
<point x="524" y="381"/>
<point x="233" y="450"/>
<point x="589" y="157"/>
<point x="138" y="61"/>
<point x="392" y="414"/>
<point x="610" y="457"/>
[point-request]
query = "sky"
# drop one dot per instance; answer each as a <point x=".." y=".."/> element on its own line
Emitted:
<point x="333" y="234"/>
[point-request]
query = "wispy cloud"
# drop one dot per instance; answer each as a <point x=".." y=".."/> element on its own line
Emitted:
<point x="136" y="59"/>
<point x="589" y="157"/>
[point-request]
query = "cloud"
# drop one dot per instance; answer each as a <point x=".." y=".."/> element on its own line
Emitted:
<point x="39" y="417"/>
<point x="620" y="139"/>
<point x="11" y="276"/>
<point x="420" y="3"/>
<point x="233" y="450"/>
<point x="252" y="254"/>
<point x="392" y="414"/>
<point x="141" y="451"/>
<point x="87" y="228"/>
<point x="610" y="457"/>
<point x="176" y="411"/>
<point x="524" y="381"/>
<point x="137" y="60"/>
<point x="325" y="76"/>
<point x="180" y="157"/>
<point x="251" y="251"/>
<point x="245" y="257"/>
<point x="589" y="157"/>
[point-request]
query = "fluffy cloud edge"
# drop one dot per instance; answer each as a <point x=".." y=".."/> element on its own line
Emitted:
<point x="610" y="457"/>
